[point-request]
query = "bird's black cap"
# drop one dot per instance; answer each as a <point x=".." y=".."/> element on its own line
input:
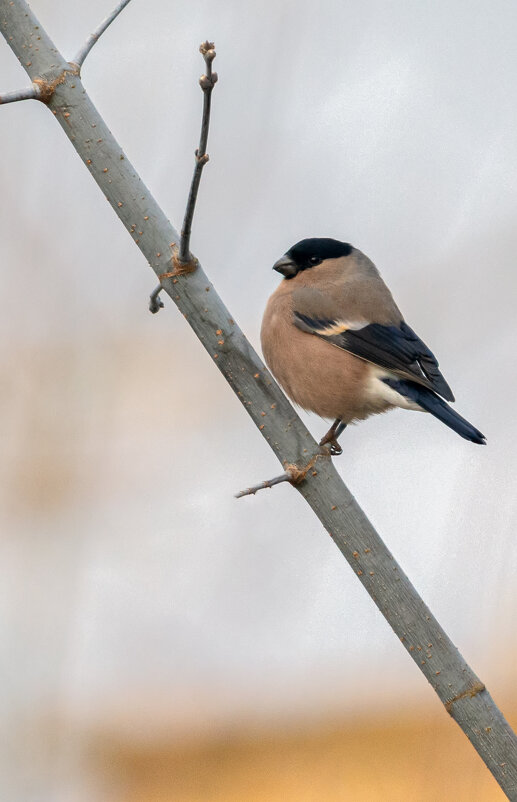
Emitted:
<point x="309" y="253"/>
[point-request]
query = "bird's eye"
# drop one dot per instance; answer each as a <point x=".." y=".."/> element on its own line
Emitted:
<point x="314" y="260"/>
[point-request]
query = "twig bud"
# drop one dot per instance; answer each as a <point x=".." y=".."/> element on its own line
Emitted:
<point x="208" y="81"/>
<point x="207" y="49"/>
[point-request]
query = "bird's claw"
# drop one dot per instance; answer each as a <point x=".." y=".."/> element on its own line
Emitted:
<point x="335" y="448"/>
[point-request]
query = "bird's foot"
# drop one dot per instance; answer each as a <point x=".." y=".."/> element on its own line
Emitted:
<point x="335" y="448"/>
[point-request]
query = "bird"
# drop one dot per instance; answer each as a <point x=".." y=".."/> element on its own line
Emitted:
<point x="337" y="343"/>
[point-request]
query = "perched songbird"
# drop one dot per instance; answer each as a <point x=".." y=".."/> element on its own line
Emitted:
<point x="337" y="343"/>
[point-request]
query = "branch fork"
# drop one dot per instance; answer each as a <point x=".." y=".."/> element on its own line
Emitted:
<point x="180" y="269"/>
<point x="43" y="90"/>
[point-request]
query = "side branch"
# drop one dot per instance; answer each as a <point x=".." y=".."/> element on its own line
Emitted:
<point x="182" y="259"/>
<point x="250" y="491"/>
<point x="29" y="93"/>
<point x="95" y="36"/>
<point x="207" y="83"/>
<point x="293" y="474"/>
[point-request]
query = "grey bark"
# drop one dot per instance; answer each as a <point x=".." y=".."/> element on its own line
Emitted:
<point x="462" y="693"/>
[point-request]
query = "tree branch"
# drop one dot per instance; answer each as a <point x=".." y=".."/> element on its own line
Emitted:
<point x="460" y="690"/>
<point x="94" y="37"/>
<point x="29" y="93"/>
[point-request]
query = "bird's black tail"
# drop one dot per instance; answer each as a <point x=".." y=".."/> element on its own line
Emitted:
<point x="440" y="409"/>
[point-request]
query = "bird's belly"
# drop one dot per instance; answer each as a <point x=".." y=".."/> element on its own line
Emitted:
<point x="322" y="378"/>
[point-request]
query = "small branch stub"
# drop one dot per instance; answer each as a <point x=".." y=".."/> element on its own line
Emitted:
<point x="293" y="474"/>
<point x="250" y="491"/>
<point x="155" y="302"/>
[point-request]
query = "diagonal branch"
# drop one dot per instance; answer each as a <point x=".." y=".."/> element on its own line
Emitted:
<point x="29" y="93"/>
<point x="462" y="693"/>
<point x="95" y="36"/>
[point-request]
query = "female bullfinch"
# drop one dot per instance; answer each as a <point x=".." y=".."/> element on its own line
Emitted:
<point x="337" y="343"/>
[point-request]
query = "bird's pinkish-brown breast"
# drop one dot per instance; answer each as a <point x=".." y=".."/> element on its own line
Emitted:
<point x="313" y="373"/>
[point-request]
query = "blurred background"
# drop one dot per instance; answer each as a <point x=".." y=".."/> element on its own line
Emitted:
<point x="161" y="641"/>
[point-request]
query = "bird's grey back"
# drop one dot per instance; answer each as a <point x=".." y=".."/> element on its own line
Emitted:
<point x="348" y="288"/>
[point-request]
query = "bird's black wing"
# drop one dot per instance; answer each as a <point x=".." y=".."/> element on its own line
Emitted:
<point x="396" y="348"/>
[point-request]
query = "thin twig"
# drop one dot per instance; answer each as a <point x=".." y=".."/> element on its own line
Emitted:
<point x="207" y="83"/>
<point x="94" y="37"/>
<point x="250" y="491"/>
<point x="29" y="93"/>
<point x="293" y="474"/>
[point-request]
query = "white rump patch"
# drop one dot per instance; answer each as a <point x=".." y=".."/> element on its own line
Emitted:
<point x="381" y="393"/>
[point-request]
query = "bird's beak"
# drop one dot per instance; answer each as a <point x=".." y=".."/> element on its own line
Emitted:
<point x="286" y="267"/>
